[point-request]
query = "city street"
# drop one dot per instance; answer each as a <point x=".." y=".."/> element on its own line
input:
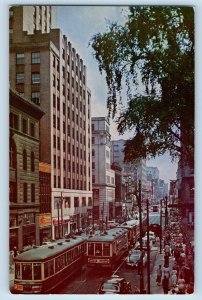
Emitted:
<point x="89" y="280"/>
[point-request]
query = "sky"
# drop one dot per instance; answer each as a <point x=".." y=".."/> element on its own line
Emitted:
<point x="79" y="24"/>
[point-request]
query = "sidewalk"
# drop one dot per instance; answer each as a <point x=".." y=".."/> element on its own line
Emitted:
<point x="157" y="289"/>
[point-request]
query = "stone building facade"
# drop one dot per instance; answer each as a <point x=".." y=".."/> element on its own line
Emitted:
<point x="24" y="171"/>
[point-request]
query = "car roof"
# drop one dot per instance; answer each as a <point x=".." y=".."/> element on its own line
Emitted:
<point x="114" y="279"/>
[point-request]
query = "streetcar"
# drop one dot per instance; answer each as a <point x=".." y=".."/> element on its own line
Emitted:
<point x="133" y="229"/>
<point x="41" y="269"/>
<point x="106" y="249"/>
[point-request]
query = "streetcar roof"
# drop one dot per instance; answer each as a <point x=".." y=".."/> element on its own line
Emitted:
<point x="111" y="235"/>
<point x="46" y="251"/>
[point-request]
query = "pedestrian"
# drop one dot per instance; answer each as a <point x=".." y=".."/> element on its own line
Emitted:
<point x="167" y="250"/>
<point x="172" y="246"/>
<point x="15" y="251"/>
<point x="165" y="285"/>
<point x="11" y="255"/>
<point x="166" y="272"/>
<point x="174" y="278"/>
<point x="166" y="261"/>
<point x="159" y="275"/>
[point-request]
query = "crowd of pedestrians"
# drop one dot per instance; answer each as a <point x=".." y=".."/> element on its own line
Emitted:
<point x="177" y="277"/>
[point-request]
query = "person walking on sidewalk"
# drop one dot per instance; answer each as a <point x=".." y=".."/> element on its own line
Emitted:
<point x="159" y="275"/>
<point x="165" y="285"/>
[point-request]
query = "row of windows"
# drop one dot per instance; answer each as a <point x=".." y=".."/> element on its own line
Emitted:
<point x="76" y="184"/>
<point x="82" y="126"/>
<point x="33" y="271"/>
<point x="14" y="123"/>
<point x="35" y="78"/>
<point x="66" y="203"/>
<point x="25" y="192"/>
<point x="35" y="58"/>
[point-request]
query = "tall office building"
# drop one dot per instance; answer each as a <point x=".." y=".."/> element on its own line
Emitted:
<point x="46" y="69"/>
<point x="103" y="177"/>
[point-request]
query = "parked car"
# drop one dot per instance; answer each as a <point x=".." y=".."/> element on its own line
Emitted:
<point x="115" y="285"/>
<point x="152" y="236"/>
<point x="134" y="258"/>
<point x="144" y="244"/>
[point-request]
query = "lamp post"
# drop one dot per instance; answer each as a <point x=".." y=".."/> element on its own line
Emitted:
<point x="166" y="211"/>
<point x="61" y="202"/>
<point x="148" y="250"/>
<point x="138" y="195"/>
<point x="161" y="225"/>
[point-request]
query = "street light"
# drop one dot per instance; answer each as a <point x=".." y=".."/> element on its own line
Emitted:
<point x="148" y="250"/>
<point x="138" y="195"/>
<point x="60" y="206"/>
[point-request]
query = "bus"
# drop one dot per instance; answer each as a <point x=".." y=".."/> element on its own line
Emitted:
<point x="42" y="268"/>
<point x="105" y="250"/>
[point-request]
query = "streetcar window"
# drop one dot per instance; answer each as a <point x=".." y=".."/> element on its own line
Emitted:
<point x="49" y="268"/>
<point x="17" y="271"/>
<point x="90" y="249"/>
<point x="26" y="271"/>
<point x="98" y="249"/>
<point x="59" y="263"/>
<point x="106" y="249"/>
<point x="37" y="271"/>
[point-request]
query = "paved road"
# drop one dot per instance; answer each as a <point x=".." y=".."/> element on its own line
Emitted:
<point x="88" y="281"/>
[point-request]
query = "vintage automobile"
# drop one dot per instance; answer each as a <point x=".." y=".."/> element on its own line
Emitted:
<point x="115" y="285"/>
<point x="133" y="259"/>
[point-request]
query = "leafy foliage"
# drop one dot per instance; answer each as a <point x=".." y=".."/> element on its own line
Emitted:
<point x="155" y="49"/>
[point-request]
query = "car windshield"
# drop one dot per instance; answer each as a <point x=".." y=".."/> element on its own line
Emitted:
<point x="134" y="257"/>
<point x="110" y="286"/>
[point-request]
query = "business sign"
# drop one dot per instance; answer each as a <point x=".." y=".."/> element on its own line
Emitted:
<point x="44" y="220"/>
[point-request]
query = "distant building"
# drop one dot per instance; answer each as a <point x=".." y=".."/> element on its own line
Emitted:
<point x="136" y="171"/>
<point x="103" y="177"/>
<point x="24" y="171"/>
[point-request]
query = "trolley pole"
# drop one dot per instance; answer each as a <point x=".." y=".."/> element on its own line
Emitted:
<point x="166" y="212"/>
<point x="140" y="225"/>
<point x="61" y="202"/>
<point x="148" y="250"/>
<point x="161" y="226"/>
<point x="58" y="207"/>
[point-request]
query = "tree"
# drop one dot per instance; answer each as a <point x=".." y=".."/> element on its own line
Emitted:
<point x="155" y="49"/>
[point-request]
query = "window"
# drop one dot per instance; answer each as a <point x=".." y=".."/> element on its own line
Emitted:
<point x="32" y="162"/>
<point x="53" y="80"/>
<point x="32" y="129"/>
<point x="37" y="271"/>
<point x="93" y="152"/>
<point x="93" y="165"/>
<point x="58" y="162"/>
<point x="20" y="58"/>
<point x="25" y="192"/>
<point x="26" y="271"/>
<point x="13" y="121"/>
<point x="24" y="126"/>
<point x="83" y="201"/>
<point x="90" y="203"/>
<point x="19" y="78"/>
<point x="54" y="121"/>
<point x="93" y="140"/>
<point x="13" y="155"/>
<point x="54" y="141"/>
<point x="58" y="123"/>
<point x="35" y="78"/>
<point x="76" y="202"/>
<point x="36" y="58"/>
<point x="54" y="161"/>
<point x="67" y="202"/>
<point x="24" y="160"/>
<point x="58" y="143"/>
<point x="58" y="103"/>
<point x="54" y="100"/>
<point x="36" y="97"/>
<point x="33" y="192"/>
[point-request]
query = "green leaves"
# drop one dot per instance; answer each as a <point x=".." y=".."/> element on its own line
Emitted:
<point x="156" y="44"/>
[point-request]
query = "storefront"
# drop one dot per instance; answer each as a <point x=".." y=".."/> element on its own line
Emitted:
<point x="13" y="238"/>
<point x="29" y="234"/>
<point x="44" y="221"/>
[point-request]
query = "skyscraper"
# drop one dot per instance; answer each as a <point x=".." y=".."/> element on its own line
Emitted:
<point x="45" y="67"/>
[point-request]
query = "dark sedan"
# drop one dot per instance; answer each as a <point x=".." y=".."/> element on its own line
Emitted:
<point x="115" y="285"/>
